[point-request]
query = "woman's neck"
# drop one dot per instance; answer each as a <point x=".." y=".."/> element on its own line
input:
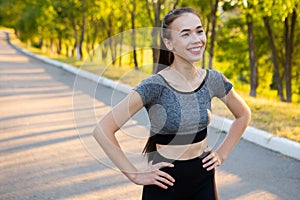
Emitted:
<point x="185" y="69"/>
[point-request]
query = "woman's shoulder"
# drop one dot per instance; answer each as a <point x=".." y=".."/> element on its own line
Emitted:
<point x="153" y="79"/>
<point x="218" y="84"/>
<point x="150" y="88"/>
<point x="152" y="82"/>
<point x="214" y="73"/>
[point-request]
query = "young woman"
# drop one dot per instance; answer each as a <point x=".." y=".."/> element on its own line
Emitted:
<point x="178" y="101"/>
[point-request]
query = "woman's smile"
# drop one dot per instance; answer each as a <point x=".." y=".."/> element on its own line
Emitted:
<point x="195" y="50"/>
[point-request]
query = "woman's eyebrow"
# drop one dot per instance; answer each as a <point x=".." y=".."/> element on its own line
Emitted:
<point x="184" y="30"/>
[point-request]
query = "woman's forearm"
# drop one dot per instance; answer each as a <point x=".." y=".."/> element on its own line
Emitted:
<point x="233" y="136"/>
<point x="111" y="147"/>
<point x="105" y="131"/>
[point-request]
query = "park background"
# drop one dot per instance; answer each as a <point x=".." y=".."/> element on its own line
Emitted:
<point x="254" y="43"/>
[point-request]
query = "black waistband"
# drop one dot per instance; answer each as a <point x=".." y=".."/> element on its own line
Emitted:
<point x="177" y="139"/>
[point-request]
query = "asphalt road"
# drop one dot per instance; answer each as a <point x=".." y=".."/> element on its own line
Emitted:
<point x="47" y="151"/>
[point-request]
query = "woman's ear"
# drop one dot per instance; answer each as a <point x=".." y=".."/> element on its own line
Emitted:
<point x="168" y="44"/>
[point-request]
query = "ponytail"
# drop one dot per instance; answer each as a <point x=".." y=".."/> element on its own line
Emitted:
<point x="150" y="148"/>
<point x="166" y="57"/>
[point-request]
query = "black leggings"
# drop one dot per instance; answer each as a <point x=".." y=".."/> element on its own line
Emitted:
<point x="192" y="182"/>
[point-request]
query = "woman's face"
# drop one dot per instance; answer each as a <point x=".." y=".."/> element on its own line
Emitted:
<point x="188" y="39"/>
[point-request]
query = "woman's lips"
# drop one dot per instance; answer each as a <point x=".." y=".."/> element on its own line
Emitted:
<point x="195" y="50"/>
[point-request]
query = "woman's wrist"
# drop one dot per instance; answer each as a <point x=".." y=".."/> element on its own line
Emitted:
<point x="131" y="175"/>
<point x="220" y="156"/>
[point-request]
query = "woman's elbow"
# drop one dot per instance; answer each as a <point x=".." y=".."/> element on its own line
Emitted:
<point x="97" y="132"/>
<point x="247" y="115"/>
<point x="100" y="132"/>
<point x="104" y="131"/>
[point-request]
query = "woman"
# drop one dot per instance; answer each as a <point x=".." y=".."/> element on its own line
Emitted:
<point x="178" y="101"/>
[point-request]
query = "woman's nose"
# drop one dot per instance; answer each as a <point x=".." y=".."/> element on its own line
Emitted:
<point x="196" y="37"/>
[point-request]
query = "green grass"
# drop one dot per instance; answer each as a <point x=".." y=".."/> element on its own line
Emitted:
<point x="277" y="118"/>
<point x="273" y="116"/>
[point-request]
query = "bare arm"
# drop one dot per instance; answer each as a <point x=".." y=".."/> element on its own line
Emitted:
<point x="105" y="130"/>
<point x="104" y="133"/>
<point x="242" y="115"/>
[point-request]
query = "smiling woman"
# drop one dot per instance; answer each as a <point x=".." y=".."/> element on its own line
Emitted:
<point x="178" y="101"/>
<point x="182" y="33"/>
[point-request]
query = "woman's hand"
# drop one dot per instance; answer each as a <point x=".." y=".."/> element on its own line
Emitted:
<point x="212" y="160"/>
<point x="154" y="176"/>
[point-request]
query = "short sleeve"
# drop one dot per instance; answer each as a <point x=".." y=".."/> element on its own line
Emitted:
<point x="149" y="89"/>
<point x="218" y="84"/>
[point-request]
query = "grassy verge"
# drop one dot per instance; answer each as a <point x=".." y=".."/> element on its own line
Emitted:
<point x="278" y="118"/>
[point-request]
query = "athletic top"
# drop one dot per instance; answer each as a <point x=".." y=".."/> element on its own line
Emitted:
<point x="177" y="117"/>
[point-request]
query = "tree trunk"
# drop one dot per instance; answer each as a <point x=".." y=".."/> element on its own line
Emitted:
<point x="122" y="35"/>
<point x="253" y="64"/>
<point x="67" y="50"/>
<point x="59" y="46"/>
<point x="111" y="40"/>
<point x="288" y="37"/>
<point x="121" y="44"/>
<point x="155" y="35"/>
<point x="206" y="33"/>
<point x="104" y="47"/>
<point x="51" y="46"/>
<point x="76" y="44"/>
<point x="89" y="47"/>
<point x="73" y="49"/>
<point x="95" y="33"/>
<point x="83" y="18"/>
<point x="133" y="38"/>
<point x="274" y="58"/>
<point x="213" y="32"/>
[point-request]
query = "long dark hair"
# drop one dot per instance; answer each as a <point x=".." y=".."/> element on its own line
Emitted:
<point x="166" y="58"/>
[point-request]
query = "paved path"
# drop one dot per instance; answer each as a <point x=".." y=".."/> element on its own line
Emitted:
<point x="47" y="152"/>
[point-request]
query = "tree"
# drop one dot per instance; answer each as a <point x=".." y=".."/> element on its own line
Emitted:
<point x="248" y="8"/>
<point x="284" y="11"/>
<point x="213" y="31"/>
<point x="235" y="41"/>
<point x="154" y="7"/>
<point x="289" y="43"/>
<point x="274" y="57"/>
<point x="252" y="57"/>
<point x="83" y="26"/>
<point x="133" y="13"/>
<point x="10" y="12"/>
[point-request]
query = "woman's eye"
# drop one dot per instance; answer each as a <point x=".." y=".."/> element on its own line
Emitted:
<point x="200" y="31"/>
<point x="185" y="35"/>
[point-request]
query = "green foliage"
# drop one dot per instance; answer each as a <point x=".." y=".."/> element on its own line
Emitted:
<point x="56" y="25"/>
<point x="9" y="12"/>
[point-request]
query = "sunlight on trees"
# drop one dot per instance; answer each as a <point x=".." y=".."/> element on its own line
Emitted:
<point x="254" y="42"/>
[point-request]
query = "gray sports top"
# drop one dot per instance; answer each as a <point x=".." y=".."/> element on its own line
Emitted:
<point x="178" y="117"/>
